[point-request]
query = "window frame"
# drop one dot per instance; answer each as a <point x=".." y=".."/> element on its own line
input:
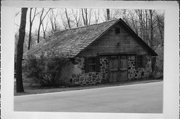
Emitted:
<point x="92" y="64"/>
<point x="139" y="64"/>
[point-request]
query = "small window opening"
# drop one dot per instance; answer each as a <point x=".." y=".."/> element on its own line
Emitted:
<point x="92" y="64"/>
<point x="117" y="30"/>
<point x="139" y="61"/>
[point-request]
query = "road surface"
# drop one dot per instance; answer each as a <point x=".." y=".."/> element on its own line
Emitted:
<point x="136" y="98"/>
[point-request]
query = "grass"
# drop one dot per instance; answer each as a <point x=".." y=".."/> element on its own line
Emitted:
<point x="39" y="90"/>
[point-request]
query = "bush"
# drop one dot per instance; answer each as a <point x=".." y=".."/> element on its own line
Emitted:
<point x="44" y="71"/>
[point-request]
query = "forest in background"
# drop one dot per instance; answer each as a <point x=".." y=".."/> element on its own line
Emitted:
<point x="43" y="22"/>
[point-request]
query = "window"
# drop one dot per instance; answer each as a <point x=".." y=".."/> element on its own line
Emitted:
<point x="92" y="64"/>
<point x="117" y="30"/>
<point x="139" y="61"/>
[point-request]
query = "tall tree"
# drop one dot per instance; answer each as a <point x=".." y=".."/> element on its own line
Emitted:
<point x="68" y="19"/>
<point x="133" y="22"/>
<point x="151" y="27"/>
<point x="86" y="16"/>
<point x="19" y="82"/>
<point x="108" y="14"/>
<point x="141" y="22"/>
<point x="153" y="59"/>
<point x="53" y="21"/>
<point x="76" y="17"/>
<point x="41" y="18"/>
<point x="96" y="16"/>
<point x="44" y="28"/>
<point x="146" y="26"/>
<point x="160" y="24"/>
<point x="31" y="20"/>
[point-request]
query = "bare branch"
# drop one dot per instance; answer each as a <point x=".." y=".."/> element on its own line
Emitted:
<point x="68" y="19"/>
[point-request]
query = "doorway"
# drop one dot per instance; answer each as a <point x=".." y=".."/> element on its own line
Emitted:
<point x="118" y="67"/>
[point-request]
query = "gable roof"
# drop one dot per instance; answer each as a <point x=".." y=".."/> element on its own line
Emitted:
<point x="69" y="43"/>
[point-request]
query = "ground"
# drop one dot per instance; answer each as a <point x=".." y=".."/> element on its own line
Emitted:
<point x="35" y="89"/>
<point x="136" y="98"/>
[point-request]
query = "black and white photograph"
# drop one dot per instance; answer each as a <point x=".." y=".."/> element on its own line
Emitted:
<point x="95" y="60"/>
<point x="98" y="59"/>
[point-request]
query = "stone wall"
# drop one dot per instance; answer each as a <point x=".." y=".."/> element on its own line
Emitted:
<point x="104" y="68"/>
<point x="137" y="73"/>
<point x="79" y="77"/>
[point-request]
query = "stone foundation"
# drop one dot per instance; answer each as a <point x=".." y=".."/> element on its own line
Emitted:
<point x="91" y="78"/>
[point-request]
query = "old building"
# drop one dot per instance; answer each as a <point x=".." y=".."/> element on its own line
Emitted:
<point x="107" y="52"/>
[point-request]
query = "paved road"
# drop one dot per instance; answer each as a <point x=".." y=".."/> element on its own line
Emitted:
<point x="136" y="98"/>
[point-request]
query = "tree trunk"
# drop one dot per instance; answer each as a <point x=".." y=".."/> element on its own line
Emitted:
<point x="108" y="14"/>
<point x="44" y="31"/>
<point x="38" y="35"/>
<point x="151" y="28"/>
<point x="68" y="19"/>
<point x="85" y="16"/>
<point x="31" y="19"/>
<point x="19" y="82"/>
<point x="39" y="27"/>
<point x="40" y="23"/>
<point x="30" y="29"/>
<point x="29" y="43"/>
<point x="160" y="26"/>
<point x="153" y="59"/>
<point x="146" y="26"/>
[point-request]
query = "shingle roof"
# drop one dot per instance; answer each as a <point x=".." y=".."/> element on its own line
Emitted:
<point x="69" y="43"/>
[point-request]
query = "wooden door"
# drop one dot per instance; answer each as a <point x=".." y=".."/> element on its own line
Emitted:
<point x="114" y="69"/>
<point x="123" y="67"/>
<point x="118" y="68"/>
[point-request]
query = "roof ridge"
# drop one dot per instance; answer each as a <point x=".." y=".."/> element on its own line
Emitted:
<point x="85" y="26"/>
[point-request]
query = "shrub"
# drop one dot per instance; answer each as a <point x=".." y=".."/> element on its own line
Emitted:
<point x="44" y="71"/>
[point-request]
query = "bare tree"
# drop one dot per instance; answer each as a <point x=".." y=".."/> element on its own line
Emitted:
<point x="108" y="14"/>
<point x="42" y="17"/>
<point x="124" y="14"/>
<point x="76" y="17"/>
<point x="134" y="23"/>
<point x="151" y="27"/>
<point x="19" y="82"/>
<point x="53" y="21"/>
<point x="84" y="11"/>
<point x="31" y="20"/>
<point x="153" y="59"/>
<point x="44" y="28"/>
<point x="160" y="24"/>
<point x="141" y="22"/>
<point x="89" y="15"/>
<point x="96" y="16"/>
<point x="146" y="20"/>
<point x="68" y="19"/>
<point x="86" y="16"/>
